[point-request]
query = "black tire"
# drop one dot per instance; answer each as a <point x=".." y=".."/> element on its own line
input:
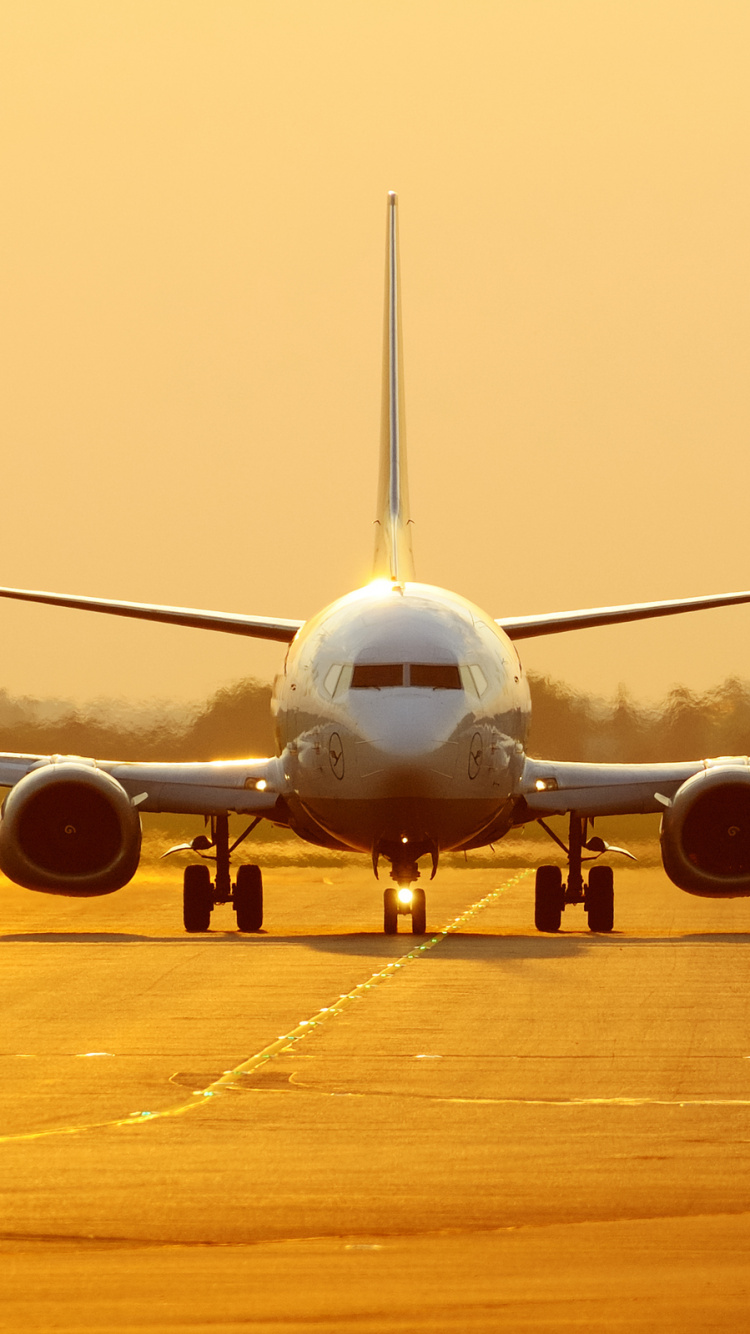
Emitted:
<point x="197" y="898"/>
<point x="600" y="898"/>
<point x="549" y="898"/>
<point x="419" y="912"/>
<point x="248" y="898"/>
<point x="390" y="912"/>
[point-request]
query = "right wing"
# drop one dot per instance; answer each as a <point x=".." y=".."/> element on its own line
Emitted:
<point x="554" y="622"/>
<point x="214" y="787"/>
<point x="552" y="787"/>
<point x="232" y="623"/>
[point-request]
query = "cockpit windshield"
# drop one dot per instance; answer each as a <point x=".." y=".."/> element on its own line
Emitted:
<point x="421" y="675"/>
<point x="376" y="675"/>
<point x="434" y="675"/>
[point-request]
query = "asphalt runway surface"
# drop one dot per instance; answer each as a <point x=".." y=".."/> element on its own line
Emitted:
<point x="321" y="1128"/>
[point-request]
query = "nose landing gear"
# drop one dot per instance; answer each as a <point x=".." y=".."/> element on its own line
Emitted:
<point x="407" y="899"/>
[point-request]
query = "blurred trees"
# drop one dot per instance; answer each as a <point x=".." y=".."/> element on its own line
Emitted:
<point x="232" y="724"/>
<point x="236" y="722"/>
<point x="683" y="726"/>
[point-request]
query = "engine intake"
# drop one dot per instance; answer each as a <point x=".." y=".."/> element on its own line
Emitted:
<point x="705" y="833"/>
<point x="69" y="828"/>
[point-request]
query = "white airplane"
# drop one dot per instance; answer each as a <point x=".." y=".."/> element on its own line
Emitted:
<point x="402" y="713"/>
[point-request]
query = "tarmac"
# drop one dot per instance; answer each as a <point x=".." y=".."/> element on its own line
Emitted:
<point x="322" y="1128"/>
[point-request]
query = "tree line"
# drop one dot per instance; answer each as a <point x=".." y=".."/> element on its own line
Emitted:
<point x="236" y="722"/>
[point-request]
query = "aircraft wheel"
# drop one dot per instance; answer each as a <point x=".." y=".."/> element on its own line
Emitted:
<point x="549" y="898"/>
<point x="600" y="898"/>
<point x="248" y="898"/>
<point x="197" y="898"/>
<point x="390" y="912"/>
<point x="418" y="912"/>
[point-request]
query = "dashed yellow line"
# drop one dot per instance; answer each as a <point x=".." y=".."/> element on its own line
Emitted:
<point x="286" y="1041"/>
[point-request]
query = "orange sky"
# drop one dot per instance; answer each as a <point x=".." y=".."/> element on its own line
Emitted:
<point x="191" y="265"/>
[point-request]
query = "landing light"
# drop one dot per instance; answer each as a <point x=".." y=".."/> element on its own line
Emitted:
<point x="261" y="785"/>
<point x="404" y="896"/>
<point x="404" y="839"/>
<point x="546" y="785"/>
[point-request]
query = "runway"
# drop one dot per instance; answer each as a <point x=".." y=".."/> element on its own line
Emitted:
<point x="323" y="1128"/>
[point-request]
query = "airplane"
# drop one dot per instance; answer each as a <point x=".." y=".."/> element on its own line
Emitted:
<point x="401" y="714"/>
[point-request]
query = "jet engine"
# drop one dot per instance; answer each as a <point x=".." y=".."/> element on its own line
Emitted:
<point x="69" y="828"/>
<point x="705" y="833"/>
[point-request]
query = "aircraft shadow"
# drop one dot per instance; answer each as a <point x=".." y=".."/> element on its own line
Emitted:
<point x="486" y="945"/>
<point x="374" y="944"/>
<point x="366" y="944"/>
<point x="123" y="938"/>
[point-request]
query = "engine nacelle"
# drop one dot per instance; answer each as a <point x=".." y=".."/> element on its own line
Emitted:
<point x="69" y="828"/>
<point x="705" y="833"/>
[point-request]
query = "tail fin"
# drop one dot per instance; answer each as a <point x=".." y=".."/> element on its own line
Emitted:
<point x="393" y="554"/>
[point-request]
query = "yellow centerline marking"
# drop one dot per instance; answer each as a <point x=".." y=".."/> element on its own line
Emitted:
<point x="286" y="1041"/>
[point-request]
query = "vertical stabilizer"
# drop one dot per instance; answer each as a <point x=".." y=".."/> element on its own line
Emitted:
<point x="393" y="554"/>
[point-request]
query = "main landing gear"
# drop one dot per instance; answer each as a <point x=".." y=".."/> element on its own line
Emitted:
<point x="201" y="893"/>
<point x="597" y="896"/>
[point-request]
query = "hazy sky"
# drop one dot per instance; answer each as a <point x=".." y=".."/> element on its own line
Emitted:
<point x="191" y="248"/>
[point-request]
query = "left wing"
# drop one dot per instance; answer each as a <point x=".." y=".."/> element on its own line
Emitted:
<point x="552" y="788"/>
<point x="215" y="787"/>
<point x="230" y="622"/>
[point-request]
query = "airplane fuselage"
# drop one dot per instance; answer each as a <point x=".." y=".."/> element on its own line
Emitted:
<point x="403" y="712"/>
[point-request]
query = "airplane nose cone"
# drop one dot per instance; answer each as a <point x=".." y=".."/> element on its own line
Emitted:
<point x="408" y="735"/>
<point x="414" y="724"/>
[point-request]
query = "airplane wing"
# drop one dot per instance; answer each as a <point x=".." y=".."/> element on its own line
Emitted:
<point x="231" y="623"/>
<point x="210" y="788"/>
<point x="283" y="631"/>
<point x="549" y="787"/>
<point x="553" y="623"/>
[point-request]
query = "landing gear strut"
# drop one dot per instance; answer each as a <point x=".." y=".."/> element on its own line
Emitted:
<point x="406" y="900"/>
<point x="552" y="896"/>
<point x="201" y="894"/>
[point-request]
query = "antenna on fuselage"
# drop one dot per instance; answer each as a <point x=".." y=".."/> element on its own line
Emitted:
<point x="393" y="553"/>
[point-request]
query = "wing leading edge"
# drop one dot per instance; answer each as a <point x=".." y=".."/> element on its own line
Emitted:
<point x="231" y="623"/>
<point x="283" y="631"/>
<point x="214" y="787"/>
<point x="555" y="622"/>
<point x="551" y="787"/>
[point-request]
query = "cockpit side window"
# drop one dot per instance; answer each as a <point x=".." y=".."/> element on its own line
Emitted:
<point x="376" y="675"/>
<point x="480" y="680"/>
<point x="332" y="678"/>
<point x="434" y="675"/>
